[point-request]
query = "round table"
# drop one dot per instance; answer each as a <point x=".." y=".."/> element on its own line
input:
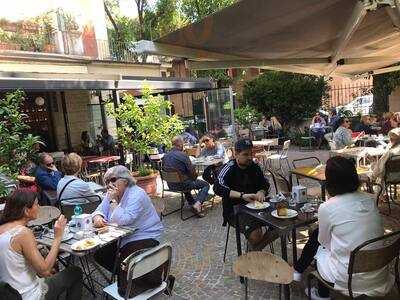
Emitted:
<point x="47" y="214"/>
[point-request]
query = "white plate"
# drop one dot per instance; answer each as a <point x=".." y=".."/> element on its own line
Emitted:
<point x="263" y="205"/>
<point x="275" y="200"/>
<point x="81" y="245"/>
<point x="291" y="214"/>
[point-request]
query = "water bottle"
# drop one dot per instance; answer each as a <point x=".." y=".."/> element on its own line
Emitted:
<point x="77" y="210"/>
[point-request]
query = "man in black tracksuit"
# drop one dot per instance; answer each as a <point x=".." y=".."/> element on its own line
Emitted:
<point x="241" y="181"/>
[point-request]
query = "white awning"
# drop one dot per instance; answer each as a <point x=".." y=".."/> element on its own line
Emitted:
<point x="327" y="37"/>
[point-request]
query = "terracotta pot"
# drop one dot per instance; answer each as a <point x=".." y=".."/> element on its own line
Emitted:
<point x="148" y="183"/>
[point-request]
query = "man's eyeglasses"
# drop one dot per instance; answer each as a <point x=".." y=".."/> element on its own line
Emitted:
<point x="206" y="141"/>
<point x="346" y="121"/>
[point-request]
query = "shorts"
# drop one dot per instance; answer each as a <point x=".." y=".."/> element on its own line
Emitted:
<point x="247" y="224"/>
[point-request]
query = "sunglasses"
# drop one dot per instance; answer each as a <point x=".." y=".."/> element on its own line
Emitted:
<point x="113" y="179"/>
<point x="347" y="121"/>
<point x="50" y="164"/>
<point x="206" y="141"/>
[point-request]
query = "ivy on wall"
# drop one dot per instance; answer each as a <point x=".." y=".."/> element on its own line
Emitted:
<point x="383" y="86"/>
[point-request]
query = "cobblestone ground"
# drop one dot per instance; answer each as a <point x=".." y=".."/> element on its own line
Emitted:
<point x="198" y="247"/>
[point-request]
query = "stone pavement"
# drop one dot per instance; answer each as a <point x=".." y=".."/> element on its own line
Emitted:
<point x="198" y="246"/>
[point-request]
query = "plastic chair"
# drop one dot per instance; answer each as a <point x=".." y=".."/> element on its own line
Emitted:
<point x="174" y="176"/>
<point x="279" y="158"/>
<point x="139" y="265"/>
<point x="366" y="259"/>
<point x="263" y="266"/>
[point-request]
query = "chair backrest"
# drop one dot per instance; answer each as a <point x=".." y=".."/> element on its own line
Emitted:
<point x="369" y="257"/>
<point x="140" y="264"/>
<point x="271" y="174"/>
<point x="282" y="184"/>
<point x="88" y="205"/>
<point x="392" y="170"/>
<point x="263" y="266"/>
<point x="332" y="144"/>
<point x="171" y="175"/>
<point x="285" y="148"/>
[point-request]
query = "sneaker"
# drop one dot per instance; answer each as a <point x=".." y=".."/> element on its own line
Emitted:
<point x="314" y="294"/>
<point x="296" y="276"/>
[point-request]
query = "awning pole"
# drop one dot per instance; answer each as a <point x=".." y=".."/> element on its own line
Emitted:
<point x="232" y="114"/>
<point x="357" y="16"/>
<point x="66" y="121"/>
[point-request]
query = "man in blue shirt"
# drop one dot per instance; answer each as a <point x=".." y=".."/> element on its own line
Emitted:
<point x="47" y="176"/>
<point x="177" y="160"/>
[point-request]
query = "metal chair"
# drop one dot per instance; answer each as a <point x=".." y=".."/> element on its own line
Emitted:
<point x="138" y="265"/>
<point x="392" y="177"/>
<point x="364" y="258"/>
<point x="174" y="176"/>
<point x="279" y="158"/>
<point x="263" y="266"/>
<point x="310" y="161"/>
<point x="88" y="205"/>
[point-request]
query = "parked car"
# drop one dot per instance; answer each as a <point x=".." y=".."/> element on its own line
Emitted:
<point x="360" y="105"/>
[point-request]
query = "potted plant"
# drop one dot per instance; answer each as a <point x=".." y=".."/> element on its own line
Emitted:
<point x="143" y="128"/>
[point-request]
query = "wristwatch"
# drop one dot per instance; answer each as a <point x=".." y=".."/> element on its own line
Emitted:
<point x="241" y="195"/>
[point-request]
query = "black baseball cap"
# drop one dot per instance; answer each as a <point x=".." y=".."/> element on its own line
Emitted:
<point x="243" y="144"/>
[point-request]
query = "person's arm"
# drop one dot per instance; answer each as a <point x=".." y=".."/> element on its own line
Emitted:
<point x="99" y="216"/>
<point x="325" y="226"/>
<point x="26" y="240"/>
<point x="221" y="185"/>
<point x="126" y="213"/>
<point x="346" y="138"/>
<point x="190" y="169"/>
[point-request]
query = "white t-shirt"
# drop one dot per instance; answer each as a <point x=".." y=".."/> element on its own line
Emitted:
<point x="345" y="222"/>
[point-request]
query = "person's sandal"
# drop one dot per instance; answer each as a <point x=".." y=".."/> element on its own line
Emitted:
<point x="199" y="214"/>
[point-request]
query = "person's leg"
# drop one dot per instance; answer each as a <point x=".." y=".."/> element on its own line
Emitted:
<point x="69" y="280"/>
<point x="309" y="251"/>
<point x="323" y="291"/>
<point x="106" y="256"/>
<point x="203" y="187"/>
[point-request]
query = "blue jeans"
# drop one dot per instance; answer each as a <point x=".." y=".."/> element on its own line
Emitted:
<point x="190" y="185"/>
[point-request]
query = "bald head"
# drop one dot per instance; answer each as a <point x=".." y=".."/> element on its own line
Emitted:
<point x="177" y="142"/>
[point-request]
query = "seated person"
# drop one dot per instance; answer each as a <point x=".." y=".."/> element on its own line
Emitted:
<point x="209" y="147"/>
<point x="365" y="125"/>
<point x="178" y="160"/>
<point x="126" y="204"/>
<point x="241" y="181"/>
<point x="389" y="122"/>
<point x="70" y="186"/>
<point x="342" y="136"/>
<point x="265" y="123"/>
<point x="47" y="176"/>
<point x="378" y="170"/>
<point x="317" y="129"/>
<point x="348" y="219"/>
<point x="188" y="137"/>
<point x="21" y="263"/>
<point x="333" y="119"/>
<point x="107" y="142"/>
<point x="219" y="132"/>
<point x="86" y="146"/>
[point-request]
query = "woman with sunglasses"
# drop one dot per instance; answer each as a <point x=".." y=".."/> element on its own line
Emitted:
<point x="342" y="136"/>
<point x="126" y="204"/>
<point x="47" y="176"/>
<point x="21" y="263"/>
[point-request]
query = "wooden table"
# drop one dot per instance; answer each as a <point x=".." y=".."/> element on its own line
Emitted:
<point x="285" y="226"/>
<point x="85" y="257"/>
<point x="318" y="173"/>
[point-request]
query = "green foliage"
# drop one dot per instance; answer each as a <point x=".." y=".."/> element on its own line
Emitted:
<point x="291" y="97"/>
<point x="16" y="146"/>
<point x="246" y="115"/>
<point x="121" y="42"/>
<point x="145" y="171"/>
<point x="195" y="10"/>
<point x="383" y="86"/>
<point x="220" y="76"/>
<point x="142" y="128"/>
